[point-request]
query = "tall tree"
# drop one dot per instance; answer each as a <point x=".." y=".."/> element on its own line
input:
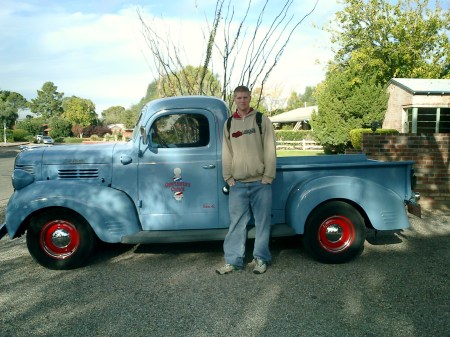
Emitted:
<point x="189" y="80"/>
<point x="113" y="115"/>
<point x="16" y="99"/>
<point x="130" y="117"/>
<point x="294" y="101"/>
<point x="272" y="100"/>
<point x="250" y="50"/>
<point x="8" y="114"/>
<point x="386" y="39"/>
<point x="343" y="106"/>
<point x="308" y="96"/>
<point x="10" y="103"/>
<point x="79" y="111"/>
<point x="48" y="102"/>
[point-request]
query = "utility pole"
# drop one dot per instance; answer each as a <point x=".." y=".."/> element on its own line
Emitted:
<point x="4" y="132"/>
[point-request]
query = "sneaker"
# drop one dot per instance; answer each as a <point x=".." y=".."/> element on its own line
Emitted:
<point x="226" y="269"/>
<point x="260" y="266"/>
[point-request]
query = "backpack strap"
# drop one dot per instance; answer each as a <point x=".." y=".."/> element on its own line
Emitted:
<point x="258" y="121"/>
<point x="229" y="125"/>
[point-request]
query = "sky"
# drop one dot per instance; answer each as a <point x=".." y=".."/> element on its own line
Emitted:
<point x="96" y="49"/>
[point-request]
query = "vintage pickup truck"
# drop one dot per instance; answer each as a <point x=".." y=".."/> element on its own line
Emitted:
<point x="165" y="185"/>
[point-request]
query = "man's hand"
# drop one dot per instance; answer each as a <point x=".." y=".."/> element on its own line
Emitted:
<point x="231" y="182"/>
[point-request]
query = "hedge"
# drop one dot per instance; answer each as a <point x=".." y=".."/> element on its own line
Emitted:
<point x="72" y="140"/>
<point x="20" y="135"/>
<point x="356" y="135"/>
<point x="286" y="135"/>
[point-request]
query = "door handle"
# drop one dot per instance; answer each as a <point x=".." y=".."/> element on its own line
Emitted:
<point x="208" y="167"/>
<point x="125" y="159"/>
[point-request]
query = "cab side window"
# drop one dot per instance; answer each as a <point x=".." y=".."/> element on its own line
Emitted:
<point x="180" y="130"/>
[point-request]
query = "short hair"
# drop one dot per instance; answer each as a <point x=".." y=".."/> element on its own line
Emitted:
<point x="241" y="88"/>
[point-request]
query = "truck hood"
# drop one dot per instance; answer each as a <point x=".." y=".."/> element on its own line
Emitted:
<point x="77" y="154"/>
<point x="87" y="162"/>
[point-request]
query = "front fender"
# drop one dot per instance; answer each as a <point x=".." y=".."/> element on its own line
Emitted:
<point x="384" y="208"/>
<point x="111" y="213"/>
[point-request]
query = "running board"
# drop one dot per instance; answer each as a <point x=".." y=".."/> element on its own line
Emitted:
<point x="196" y="235"/>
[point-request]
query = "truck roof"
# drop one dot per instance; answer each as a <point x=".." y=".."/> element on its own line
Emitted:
<point x="178" y="102"/>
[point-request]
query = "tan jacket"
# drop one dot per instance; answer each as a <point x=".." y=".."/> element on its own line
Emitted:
<point x="248" y="155"/>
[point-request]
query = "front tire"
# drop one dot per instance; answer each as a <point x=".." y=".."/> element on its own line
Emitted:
<point x="334" y="233"/>
<point x="60" y="239"/>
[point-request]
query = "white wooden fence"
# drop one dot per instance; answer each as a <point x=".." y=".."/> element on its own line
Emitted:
<point x="298" y="145"/>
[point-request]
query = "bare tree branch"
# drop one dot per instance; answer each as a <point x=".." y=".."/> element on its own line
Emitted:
<point x="248" y="53"/>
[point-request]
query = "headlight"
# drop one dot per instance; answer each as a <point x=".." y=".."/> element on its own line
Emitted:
<point x="21" y="179"/>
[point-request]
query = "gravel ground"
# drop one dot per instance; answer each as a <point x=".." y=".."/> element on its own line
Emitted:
<point x="399" y="286"/>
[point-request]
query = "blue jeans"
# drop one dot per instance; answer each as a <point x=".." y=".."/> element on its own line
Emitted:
<point x="246" y="199"/>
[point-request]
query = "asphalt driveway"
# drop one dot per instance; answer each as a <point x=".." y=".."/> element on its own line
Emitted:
<point x="399" y="286"/>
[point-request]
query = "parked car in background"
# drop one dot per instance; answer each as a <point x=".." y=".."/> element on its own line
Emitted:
<point x="47" y="140"/>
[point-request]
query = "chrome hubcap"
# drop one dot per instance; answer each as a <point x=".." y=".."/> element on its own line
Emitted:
<point x="60" y="238"/>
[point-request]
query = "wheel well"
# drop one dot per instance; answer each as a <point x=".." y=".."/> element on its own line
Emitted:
<point x="26" y="223"/>
<point x="360" y="210"/>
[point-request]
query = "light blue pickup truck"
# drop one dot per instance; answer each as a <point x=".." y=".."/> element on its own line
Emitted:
<point x="165" y="185"/>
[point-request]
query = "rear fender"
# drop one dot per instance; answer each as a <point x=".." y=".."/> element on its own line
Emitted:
<point x="384" y="208"/>
<point x="110" y="213"/>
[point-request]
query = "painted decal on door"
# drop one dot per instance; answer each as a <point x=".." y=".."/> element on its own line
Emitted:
<point x="177" y="185"/>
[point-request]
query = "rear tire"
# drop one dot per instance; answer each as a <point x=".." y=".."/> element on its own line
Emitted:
<point x="60" y="239"/>
<point x="334" y="233"/>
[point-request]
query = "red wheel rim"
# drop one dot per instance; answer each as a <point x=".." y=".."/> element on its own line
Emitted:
<point x="59" y="239"/>
<point x="336" y="234"/>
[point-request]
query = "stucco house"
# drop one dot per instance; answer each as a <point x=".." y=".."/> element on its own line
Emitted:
<point x="418" y="105"/>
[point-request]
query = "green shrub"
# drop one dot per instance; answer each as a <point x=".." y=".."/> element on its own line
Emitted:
<point x="107" y="137"/>
<point x="73" y="140"/>
<point x="95" y="138"/>
<point x="356" y="135"/>
<point x="293" y="135"/>
<point x="20" y="135"/>
<point x="31" y="139"/>
<point x="287" y="126"/>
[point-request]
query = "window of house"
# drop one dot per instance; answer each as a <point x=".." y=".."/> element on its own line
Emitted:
<point x="426" y="120"/>
<point x="429" y="120"/>
<point x="180" y="130"/>
<point x="444" y="122"/>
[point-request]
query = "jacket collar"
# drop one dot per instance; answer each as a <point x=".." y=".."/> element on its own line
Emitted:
<point x="236" y="114"/>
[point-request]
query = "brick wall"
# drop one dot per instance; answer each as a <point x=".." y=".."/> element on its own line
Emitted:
<point x="432" y="162"/>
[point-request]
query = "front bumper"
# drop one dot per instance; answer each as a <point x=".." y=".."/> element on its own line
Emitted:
<point x="3" y="230"/>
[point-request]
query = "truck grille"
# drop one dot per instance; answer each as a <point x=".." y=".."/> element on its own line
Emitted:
<point x="78" y="174"/>
<point x="26" y="168"/>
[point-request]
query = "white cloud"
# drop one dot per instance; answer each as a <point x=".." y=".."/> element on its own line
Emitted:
<point x="103" y="56"/>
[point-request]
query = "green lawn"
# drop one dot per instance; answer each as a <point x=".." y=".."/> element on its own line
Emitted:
<point x="287" y="153"/>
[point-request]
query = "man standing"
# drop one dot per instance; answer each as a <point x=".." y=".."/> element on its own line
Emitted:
<point x="249" y="167"/>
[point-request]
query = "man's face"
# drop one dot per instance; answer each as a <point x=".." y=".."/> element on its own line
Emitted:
<point x="242" y="100"/>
